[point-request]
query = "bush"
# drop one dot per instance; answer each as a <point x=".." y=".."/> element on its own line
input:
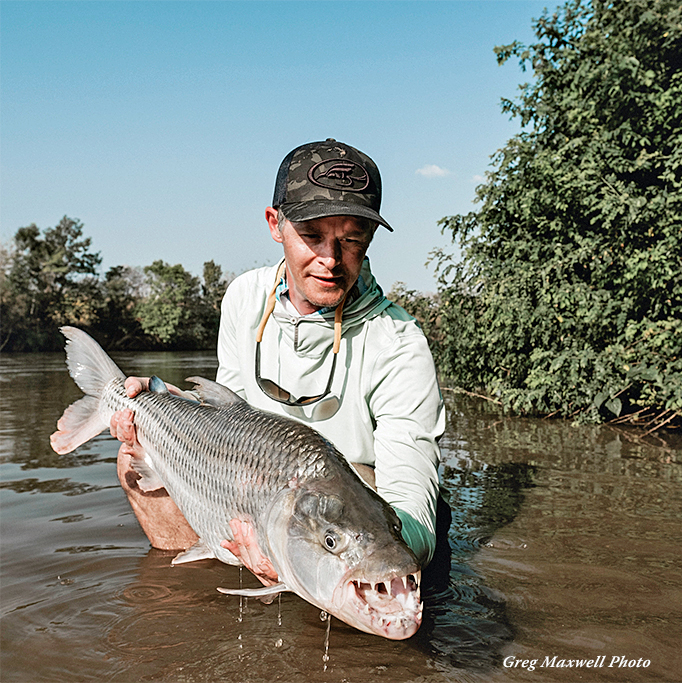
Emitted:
<point x="568" y="298"/>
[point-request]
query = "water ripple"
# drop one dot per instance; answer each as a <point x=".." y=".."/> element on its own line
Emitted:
<point x="147" y="593"/>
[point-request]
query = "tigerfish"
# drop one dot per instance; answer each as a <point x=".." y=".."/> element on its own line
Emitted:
<point x="331" y="538"/>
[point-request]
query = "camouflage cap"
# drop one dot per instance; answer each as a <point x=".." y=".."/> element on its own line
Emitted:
<point x="328" y="178"/>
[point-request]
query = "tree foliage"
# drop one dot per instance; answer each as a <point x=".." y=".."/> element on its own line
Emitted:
<point x="568" y="298"/>
<point x="213" y="289"/>
<point x="120" y="291"/>
<point x="168" y="313"/>
<point x="49" y="279"/>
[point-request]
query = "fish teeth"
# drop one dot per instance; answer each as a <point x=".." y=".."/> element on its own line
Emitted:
<point x="404" y="578"/>
<point x="366" y="609"/>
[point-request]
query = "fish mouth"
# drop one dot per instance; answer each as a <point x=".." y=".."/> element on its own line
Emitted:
<point x="390" y="608"/>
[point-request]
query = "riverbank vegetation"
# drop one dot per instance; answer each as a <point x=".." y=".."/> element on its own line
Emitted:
<point x="50" y="278"/>
<point x="567" y="299"/>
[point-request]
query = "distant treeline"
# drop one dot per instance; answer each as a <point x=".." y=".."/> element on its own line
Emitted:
<point x="50" y="278"/>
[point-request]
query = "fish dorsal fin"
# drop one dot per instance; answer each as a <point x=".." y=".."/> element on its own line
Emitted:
<point x="157" y="385"/>
<point x="213" y="393"/>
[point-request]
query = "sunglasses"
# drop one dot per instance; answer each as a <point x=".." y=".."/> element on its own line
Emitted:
<point x="273" y="390"/>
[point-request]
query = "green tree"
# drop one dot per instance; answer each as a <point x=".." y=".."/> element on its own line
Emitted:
<point x="568" y="298"/>
<point x="10" y="310"/>
<point x="170" y="313"/>
<point x="212" y="292"/>
<point x="48" y="280"/>
<point x="122" y="288"/>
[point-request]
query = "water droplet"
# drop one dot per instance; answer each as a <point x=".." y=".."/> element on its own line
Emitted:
<point x="278" y="642"/>
<point x="241" y="599"/>
<point x="325" y="656"/>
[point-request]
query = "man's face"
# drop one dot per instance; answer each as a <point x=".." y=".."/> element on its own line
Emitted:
<point x="323" y="256"/>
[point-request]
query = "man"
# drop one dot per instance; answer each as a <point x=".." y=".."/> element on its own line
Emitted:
<point x="315" y="339"/>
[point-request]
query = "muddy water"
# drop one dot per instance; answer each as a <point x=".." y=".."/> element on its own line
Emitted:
<point x="564" y="547"/>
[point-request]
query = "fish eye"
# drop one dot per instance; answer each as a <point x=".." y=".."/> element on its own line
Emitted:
<point x="334" y="541"/>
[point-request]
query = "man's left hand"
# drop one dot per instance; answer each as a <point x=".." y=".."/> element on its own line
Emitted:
<point x="245" y="547"/>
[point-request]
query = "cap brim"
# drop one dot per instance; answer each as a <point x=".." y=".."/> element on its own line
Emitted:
<point x="320" y="208"/>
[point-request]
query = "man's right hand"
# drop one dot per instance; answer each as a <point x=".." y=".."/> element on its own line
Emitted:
<point x="159" y="517"/>
<point x="121" y="425"/>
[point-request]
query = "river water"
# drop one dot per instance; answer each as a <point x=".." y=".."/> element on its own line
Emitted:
<point x="564" y="546"/>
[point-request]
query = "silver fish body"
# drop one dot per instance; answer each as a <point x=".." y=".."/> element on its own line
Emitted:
<point x="331" y="538"/>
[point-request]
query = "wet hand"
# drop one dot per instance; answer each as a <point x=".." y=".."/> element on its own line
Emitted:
<point x="245" y="547"/>
<point x="134" y="385"/>
<point x="122" y="428"/>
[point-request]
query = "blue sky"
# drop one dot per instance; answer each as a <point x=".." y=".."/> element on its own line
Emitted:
<point x="161" y="125"/>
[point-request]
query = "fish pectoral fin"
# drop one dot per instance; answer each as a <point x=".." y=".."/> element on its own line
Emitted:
<point x="150" y="480"/>
<point x="199" y="551"/>
<point x="265" y="594"/>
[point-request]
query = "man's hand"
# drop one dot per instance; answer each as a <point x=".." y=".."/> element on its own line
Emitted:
<point x="159" y="517"/>
<point x="122" y="427"/>
<point x="245" y="547"/>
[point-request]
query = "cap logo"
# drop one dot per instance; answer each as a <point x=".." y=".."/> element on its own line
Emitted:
<point x="339" y="174"/>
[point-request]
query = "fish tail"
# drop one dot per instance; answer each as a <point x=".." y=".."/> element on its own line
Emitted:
<point x="91" y="369"/>
<point x="88" y="363"/>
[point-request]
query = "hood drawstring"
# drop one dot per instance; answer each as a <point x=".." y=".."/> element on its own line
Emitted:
<point x="270" y="307"/>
